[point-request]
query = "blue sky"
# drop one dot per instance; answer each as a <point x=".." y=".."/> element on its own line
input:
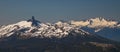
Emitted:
<point x="53" y="10"/>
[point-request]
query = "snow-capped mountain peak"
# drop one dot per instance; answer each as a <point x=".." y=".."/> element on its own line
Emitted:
<point x="101" y="22"/>
<point x="8" y="29"/>
<point x="33" y="28"/>
<point x="24" y="24"/>
<point x="95" y="22"/>
<point x="33" y="33"/>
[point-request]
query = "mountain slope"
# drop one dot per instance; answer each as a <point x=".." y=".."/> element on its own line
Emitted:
<point x="103" y="27"/>
<point x="25" y="36"/>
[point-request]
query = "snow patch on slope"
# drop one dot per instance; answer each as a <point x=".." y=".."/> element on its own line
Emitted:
<point x="9" y="29"/>
<point x="59" y="29"/>
<point x="24" y="24"/>
<point x="96" y="23"/>
<point x="24" y="28"/>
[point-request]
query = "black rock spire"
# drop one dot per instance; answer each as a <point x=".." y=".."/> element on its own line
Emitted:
<point x="34" y="21"/>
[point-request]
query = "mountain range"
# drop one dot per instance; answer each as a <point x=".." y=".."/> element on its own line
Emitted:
<point x="93" y="35"/>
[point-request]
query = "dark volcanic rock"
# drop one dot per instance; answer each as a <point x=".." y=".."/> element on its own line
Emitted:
<point x="70" y="43"/>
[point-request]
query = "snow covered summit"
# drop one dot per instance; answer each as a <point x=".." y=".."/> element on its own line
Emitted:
<point x="96" y="22"/>
<point x="37" y="36"/>
<point x="34" y="28"/>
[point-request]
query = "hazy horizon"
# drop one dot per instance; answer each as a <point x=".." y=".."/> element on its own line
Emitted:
<point x="12" y="11"/>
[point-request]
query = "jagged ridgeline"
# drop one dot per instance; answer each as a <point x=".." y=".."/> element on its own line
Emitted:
<point x="34" y="36"/>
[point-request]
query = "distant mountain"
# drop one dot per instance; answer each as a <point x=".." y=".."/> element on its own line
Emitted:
<point x="35" y="36"/>
<point x="96" y="23"/>
<point x="103" y="27"/>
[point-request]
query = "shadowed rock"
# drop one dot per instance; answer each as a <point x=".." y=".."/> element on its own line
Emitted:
<point x="34" y="21"/>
